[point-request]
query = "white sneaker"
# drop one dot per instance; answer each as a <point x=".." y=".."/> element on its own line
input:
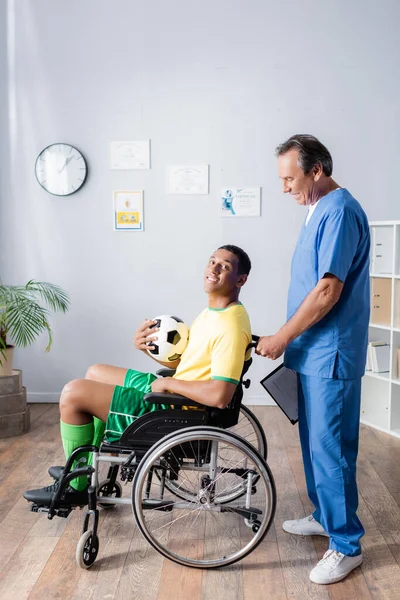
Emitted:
<point x="334" y="567"/>
<point x="305" y="526"/>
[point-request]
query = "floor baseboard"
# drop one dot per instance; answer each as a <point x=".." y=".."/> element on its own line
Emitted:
<point x="44" y="397"/>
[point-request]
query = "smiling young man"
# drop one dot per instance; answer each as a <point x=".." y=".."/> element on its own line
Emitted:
<point x="208" y="372"/>
<point x="325" y="342"/>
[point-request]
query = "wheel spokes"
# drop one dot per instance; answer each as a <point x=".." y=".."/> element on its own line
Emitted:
<point x="200" y="531"/>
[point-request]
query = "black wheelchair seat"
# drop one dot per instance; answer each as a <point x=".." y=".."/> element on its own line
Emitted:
<point x="148" y="429"/>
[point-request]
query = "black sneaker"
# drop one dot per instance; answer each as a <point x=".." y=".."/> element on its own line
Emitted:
<point x="69" y="497"/>
<point x="56" y="471"/>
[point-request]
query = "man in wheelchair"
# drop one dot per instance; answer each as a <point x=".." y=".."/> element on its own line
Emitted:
<point x="110" y="398"/>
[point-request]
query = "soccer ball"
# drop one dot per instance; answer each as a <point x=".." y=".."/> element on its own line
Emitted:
<point x="173" y="336"/>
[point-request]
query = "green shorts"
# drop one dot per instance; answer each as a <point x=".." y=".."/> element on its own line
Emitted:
<point x="127" y="403"/>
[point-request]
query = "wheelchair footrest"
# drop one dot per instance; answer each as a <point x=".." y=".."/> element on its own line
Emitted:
<point x="57" y="512"/>
<point x="251" y="514"/>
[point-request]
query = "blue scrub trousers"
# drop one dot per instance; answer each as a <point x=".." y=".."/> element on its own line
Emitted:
<point x="329" y="421"/>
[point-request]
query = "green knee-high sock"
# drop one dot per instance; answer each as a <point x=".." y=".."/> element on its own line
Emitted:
<point x="99" y="428"/>
<point x="72" y="437"/>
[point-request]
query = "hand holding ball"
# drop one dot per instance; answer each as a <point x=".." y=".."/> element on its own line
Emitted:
<point x="172" y="338"/>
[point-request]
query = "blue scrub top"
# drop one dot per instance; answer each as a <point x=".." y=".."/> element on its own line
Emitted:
<point x="335" y="240"/>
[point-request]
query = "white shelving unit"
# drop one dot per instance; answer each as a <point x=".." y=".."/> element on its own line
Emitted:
<point x="380" y="399"/>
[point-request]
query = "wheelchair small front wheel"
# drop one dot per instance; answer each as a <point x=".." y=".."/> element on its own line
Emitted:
<point x="87" y="549"/>
<point x="107" y="489"/>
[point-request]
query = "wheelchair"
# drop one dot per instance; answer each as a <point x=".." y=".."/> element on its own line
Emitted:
<point x="202" y="495"/>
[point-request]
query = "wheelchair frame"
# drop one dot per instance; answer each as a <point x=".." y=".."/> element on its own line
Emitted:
<point x="141" y="447"/>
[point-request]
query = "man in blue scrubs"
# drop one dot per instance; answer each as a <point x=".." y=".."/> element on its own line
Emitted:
<point x="325" y="341"/>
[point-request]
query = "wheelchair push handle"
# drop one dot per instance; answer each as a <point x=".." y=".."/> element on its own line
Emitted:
<point x="165" y="372"/>
<point x="254" y="342"/>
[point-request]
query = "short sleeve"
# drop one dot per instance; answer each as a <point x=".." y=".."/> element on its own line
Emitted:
<point x="337" y="243"/>
<point x="228" y="353"/>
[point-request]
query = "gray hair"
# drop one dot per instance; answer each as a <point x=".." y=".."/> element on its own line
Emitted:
<point x="311" y="152"/>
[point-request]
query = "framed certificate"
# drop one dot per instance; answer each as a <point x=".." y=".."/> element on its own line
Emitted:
<point x="130" y="155"/>
<point x="241" y="202"/>
<point x="187" y="179"/>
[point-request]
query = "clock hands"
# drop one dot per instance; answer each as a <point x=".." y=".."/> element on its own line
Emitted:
<point x="68" y="160"/>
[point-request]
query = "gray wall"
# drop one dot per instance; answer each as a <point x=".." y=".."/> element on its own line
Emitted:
<point x="4" y="130"/>
<point x="218" y="82"/>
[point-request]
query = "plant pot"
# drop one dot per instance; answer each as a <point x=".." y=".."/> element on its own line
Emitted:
<point x="6" y="363"/>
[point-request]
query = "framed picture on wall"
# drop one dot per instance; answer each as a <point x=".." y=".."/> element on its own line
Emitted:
<point x="130" y="155"/>
<point x="240" y="202"/>
<point x="187" y="179"/>
<point x="128" y="210"/>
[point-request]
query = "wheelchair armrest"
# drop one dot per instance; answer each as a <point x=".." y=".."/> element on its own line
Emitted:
<point x="166" y="372"/>
<point x="167" y="398"/>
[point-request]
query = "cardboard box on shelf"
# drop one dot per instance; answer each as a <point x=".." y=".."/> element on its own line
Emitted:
<point x="396" y="316"/>
<point x="381" y="301"/>
<point x="382" y="250"/>
<point x="398" y="363"/>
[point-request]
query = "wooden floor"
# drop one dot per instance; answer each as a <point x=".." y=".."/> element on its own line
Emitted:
<point x="37" y="556"/>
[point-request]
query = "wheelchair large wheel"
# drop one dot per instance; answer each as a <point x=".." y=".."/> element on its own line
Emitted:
<point x="249" y="428"/>
<point x="202" y="532"/>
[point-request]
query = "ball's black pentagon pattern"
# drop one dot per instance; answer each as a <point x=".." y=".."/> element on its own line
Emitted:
<point x="174" y="357"/>
<point x="177" y="319"/>
<point x="173" y="337"/>
<point x="156" y="324"/>
<point x="155" y="350"/>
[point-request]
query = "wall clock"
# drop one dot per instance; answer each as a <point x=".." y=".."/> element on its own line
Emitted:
<point x="61" y="169"/>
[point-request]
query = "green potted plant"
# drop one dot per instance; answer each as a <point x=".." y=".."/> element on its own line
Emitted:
<point x="24" y="315"/>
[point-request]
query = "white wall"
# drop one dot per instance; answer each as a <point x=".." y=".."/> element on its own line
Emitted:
<point x="218" y="82"/>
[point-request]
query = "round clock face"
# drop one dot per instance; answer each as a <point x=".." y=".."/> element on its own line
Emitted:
<point x="61" y="169"/>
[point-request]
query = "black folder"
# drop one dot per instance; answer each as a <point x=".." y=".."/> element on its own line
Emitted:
<point x="281" y="384"/>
